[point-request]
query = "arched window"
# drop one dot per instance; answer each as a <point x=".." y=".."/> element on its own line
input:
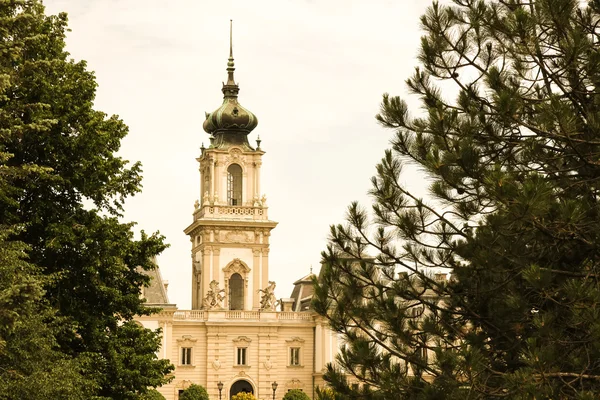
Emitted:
<point x="234" y="185"/>
<point x="236" y="292"/>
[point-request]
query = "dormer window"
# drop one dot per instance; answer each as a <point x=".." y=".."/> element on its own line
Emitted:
<point x="234" y="185"/>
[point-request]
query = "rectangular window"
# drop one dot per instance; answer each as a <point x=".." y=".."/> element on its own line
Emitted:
<point x="241" y="356"/>
<point x="186" y="356"/>
<point x="423" y="353"/>
<point x="294" y="355"/>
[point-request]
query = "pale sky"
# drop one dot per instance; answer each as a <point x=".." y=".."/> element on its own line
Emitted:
<point x="312" y="71"/>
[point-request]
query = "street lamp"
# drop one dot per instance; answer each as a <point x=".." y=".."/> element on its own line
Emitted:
<point x="220" y="387"/>
<point x="274" y="386"/>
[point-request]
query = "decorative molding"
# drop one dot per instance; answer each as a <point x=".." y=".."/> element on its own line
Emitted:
<point x="268" y="364"/>
<point x="242" y="341"/>
<point x="186" y="341"/>
<point x="295" y="340"/>
<point x="216" y="364"/>
<point x="293" y="384"/>
<point x="184" y="384"/>
<point x="236" y="236"/>
<point x="236" y="266"/>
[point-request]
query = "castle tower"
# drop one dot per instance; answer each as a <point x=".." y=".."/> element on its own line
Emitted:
<point x="230" y="229"/>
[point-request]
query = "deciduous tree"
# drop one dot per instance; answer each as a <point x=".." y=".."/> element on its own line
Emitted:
<point x="194" y="392"/>
<point x="295" y="394"/>
<point x="67" y="248"/>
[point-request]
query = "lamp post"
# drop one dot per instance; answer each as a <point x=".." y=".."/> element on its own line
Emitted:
<point x="220" y="387"/>
<point x="274" y="386"/>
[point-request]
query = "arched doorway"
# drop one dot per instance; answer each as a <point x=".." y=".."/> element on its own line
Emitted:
<point x="239" y="387"/>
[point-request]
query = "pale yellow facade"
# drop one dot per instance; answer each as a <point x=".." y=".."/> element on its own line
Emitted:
<point x="237" y="332"/>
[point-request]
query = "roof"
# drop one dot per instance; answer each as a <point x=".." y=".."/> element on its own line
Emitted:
<point x="156" y="293"/>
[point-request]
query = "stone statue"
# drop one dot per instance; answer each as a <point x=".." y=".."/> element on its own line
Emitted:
<point x="263" y="200"/>
<point x="196" y="204"/>
<point x="205" y="200"/>
<point x="268" y="301"/>
<point x="214" y="297"/>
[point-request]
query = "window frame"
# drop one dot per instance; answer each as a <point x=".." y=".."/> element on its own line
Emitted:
<point x="235" y="187"/>
<point x="186" y="354"/>
<point x="295" y="354"/>
<point x="241" y="355"/>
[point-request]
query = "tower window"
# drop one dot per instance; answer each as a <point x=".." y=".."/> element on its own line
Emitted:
<point x="234" y="185"/>
<point x="236" y="292"/>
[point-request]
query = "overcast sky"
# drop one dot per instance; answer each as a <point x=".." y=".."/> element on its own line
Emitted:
<point x="312" y="71"/>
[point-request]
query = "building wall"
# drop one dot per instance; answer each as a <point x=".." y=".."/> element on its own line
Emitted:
<point x="214" y="337"/>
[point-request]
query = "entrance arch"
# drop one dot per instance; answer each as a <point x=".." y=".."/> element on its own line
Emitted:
<point x="240" y="387"/>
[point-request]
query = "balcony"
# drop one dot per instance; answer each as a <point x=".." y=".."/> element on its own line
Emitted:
<point x="231" y="212"/>
<point x="219" y="315"/>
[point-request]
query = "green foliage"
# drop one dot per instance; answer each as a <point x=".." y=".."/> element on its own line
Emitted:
<point x="194" y="392"/>
<point x="508" y="141"/>
<point x="152" y="394"/>
<point x="30" y="366"/>
<point x="71" y="274"/>
<point x="327" y="394"/>
<point x="296" y="394"/>
<point x="243" y="396"/>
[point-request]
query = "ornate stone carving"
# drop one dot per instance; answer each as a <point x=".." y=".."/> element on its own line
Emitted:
<point x="216" y="364"/>
<point x="268" y="364"/>
<point x="184" y="384"/>
<point x="187" y="341"/>
<point x="242" y="341"/>
<point x="237" y="236"/>
<point x="295" y="340"/>
<point x="213" y="299"/>
<point x="293" y="384"/>
<point x="236" y="266"/>
<point x="268" y="301"/>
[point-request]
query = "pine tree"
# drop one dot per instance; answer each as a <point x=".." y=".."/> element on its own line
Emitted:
<point x="509" y="141"/>
<point x="60" y="206"/>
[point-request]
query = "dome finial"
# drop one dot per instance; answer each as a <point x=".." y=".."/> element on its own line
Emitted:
<point x="230" y="66"/>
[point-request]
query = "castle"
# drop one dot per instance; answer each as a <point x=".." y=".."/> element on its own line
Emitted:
<point x="238" y="336"/>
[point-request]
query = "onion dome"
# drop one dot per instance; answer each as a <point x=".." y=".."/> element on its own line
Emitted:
<point x="231" y="117"/>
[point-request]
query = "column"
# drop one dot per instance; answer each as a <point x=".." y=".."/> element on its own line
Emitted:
<point x="206" y="263"/>
<point x="256" y="278"/>
<point x="318" y="348"/>
<point x="265" y="268"/>
<point x="257" y="178"/>
<point x="215" y="266"/>
<point x="212" y="177"/>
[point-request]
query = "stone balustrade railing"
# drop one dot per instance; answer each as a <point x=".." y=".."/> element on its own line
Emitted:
<point x="221" y="211"/>
<point x="202" y="315"/>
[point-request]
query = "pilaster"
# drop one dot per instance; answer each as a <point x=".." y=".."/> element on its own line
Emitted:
<point x="256" y="276"/>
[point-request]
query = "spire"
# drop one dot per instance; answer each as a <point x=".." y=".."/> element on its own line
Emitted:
<point x="230" y="65"/>
<point x="230" y="123"/>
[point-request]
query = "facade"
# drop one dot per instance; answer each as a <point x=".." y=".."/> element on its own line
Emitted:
<point x="238" y="333"/>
